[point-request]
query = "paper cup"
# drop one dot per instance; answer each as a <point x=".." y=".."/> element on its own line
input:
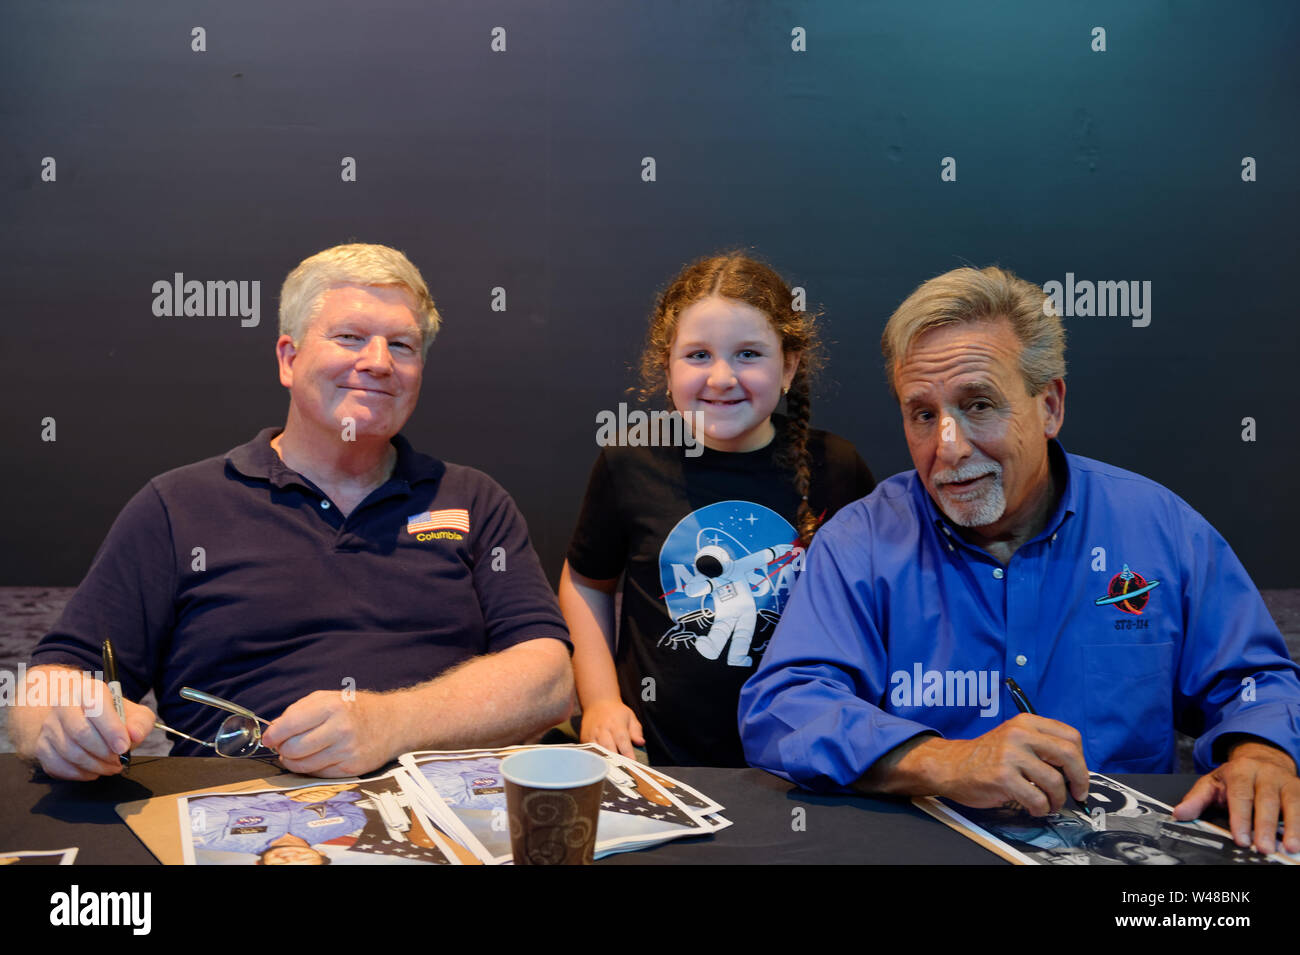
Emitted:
<point x="553" y="798"/>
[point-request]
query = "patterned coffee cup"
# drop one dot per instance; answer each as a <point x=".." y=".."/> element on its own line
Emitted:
<point x="553" y="796"/>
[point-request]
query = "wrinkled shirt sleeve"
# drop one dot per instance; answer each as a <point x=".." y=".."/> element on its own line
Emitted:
<point x="1234" y="675"/>
<point x="805" y="714"/>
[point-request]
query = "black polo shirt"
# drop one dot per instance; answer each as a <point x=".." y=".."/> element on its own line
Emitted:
<point x="238" y="576"/>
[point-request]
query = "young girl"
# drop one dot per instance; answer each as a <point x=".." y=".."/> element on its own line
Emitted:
<point x="708" y="538"/>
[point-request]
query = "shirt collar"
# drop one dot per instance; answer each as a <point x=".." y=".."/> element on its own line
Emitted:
<point x="257" y="459"/>
<point x="1059" y="462"/>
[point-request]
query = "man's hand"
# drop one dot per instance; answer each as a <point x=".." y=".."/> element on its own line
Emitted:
<point x="495" y="700"/>
<point x="1021" y="761"/>
<point x="328" y="733"/>
<point x="83" y="740"/>
<point x="612" y="724"/>
<point x="1257" y="779"/>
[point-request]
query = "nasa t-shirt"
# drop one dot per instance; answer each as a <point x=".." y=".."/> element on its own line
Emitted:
<point x="710" y="552"/>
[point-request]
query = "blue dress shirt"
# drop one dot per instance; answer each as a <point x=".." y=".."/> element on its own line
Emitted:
<point x="250" y="823"/>
<point x="1126" y="617"/>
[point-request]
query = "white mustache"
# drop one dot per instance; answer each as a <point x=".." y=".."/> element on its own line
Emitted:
<point x="968" y="473"/>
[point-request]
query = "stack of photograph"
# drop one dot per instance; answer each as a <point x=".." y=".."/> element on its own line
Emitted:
<point x="437" y="808"/>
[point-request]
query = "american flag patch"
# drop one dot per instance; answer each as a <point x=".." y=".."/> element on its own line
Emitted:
<point x="450" y="519"/>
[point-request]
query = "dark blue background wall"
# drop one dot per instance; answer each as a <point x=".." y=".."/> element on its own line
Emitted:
<point x="522" y="169"/>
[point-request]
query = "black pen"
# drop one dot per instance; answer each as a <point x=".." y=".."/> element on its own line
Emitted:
<point x="115" y="689"/>
<point x="1024" y="706"/>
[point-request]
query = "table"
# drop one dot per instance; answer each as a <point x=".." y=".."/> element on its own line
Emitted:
<point x="774" y="822"/>
<point x="950" y="889"/>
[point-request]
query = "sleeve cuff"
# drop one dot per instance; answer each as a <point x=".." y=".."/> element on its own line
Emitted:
<point x="1276" y="723"/>
<point x="833" y="760"/>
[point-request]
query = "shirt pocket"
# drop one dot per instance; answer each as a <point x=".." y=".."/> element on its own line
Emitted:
<point x="1128" y="696"/>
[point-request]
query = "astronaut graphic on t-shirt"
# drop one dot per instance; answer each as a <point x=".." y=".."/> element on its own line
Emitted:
<point x="731" y="584"/>
<point x="727" y="567"/>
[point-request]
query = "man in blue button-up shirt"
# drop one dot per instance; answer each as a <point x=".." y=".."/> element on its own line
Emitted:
<point x="1113" y="605"/>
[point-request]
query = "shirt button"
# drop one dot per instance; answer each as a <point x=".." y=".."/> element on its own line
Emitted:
<point x="997" y="572"/>
<point x="1053" y="537"/>
<point x="1021" y="660"/>
<point x="324" y="505"/>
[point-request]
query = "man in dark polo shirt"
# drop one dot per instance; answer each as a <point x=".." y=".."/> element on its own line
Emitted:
<point x="365" y="598"/>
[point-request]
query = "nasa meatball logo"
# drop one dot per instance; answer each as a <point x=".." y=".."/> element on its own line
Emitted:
<point x="1128" y="591"/>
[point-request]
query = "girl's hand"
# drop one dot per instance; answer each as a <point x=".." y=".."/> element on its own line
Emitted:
<point x="613" y="725"/>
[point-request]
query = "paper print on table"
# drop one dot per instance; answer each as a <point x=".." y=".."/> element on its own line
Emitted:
<point x="468" y="788"/>
<point x="688" y="797"/>
<point x="472" y="790"/>
<point x="726" y="571"/>
<point x="641" y="790"/>
<point x="368" y="822"/>
<point x="38" y="856"/>
<point x="1122" y="827"/>
<point x="395" y="826"/>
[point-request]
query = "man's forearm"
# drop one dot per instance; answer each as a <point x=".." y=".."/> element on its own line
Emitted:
<point x="495" y="700"/>
<point x="910" y="769"/>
